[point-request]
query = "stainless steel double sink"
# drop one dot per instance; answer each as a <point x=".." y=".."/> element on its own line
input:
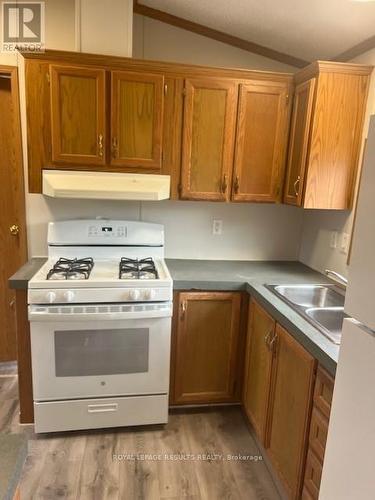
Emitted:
<point x="321" y="305"/>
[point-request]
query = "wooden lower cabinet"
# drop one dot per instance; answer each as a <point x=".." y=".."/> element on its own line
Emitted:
<point x="277" y="396"/>
<point x="258" y="365"/>
<point x="205" y="347"/>
<point x="291" y="395"/>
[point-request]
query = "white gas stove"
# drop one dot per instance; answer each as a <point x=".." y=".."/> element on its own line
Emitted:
<point x="100" y="317"/>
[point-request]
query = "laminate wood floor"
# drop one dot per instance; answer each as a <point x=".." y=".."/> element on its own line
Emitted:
<point x="187" y="459"/>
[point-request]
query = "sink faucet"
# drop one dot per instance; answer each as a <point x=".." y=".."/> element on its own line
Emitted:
<point x="337" y="277"/>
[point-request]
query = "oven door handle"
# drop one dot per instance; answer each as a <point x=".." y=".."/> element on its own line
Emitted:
<point x="108" y="312"/>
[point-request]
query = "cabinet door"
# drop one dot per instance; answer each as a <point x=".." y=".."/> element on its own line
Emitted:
<point x="206" y="347"/>
<point x="208" y="138"/>
<point x="262" y="134"/>
<point x="136" y="119"/>
<point x="299" y="142"/>
<point x="78" y="115"/>
<point x="292" y="386"/>
<point x="261" y="329"/>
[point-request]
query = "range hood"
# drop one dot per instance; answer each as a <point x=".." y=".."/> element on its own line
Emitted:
<point x="105" y="185"/>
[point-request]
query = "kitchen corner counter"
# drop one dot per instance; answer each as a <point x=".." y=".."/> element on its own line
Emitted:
<point x="20" y="279"/>
<point x="251" y="276"/>
<point x="13" y="452"/>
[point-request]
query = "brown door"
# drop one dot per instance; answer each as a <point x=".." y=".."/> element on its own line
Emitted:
<point x="299" y="142"/>
<point x="261" y="141"/>
<point x="261" y="330"/>
<point x="136" y="119"/>
<point x="206" y="347"/>
<point x="208" y="139"/>
<point x="78" y="115"/>
<point x="286" y="441"/>
<point x="12" y="213"/>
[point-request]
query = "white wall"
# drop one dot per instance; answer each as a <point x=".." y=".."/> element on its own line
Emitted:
<point x="155" y="40"/>
<point x="249" y="231"/>
<point x="105" y="27"/>
<point x="317" y="224"/>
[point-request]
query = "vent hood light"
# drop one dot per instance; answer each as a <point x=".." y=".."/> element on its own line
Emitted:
<point x="105" y="185"/>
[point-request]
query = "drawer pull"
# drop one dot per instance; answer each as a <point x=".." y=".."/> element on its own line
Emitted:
<point x="103" y="408"/>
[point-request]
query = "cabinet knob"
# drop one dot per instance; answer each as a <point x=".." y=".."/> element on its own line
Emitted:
<point x="14" y="230"/>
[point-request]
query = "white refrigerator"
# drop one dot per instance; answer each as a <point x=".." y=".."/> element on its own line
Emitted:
<point x="349" y="463"/>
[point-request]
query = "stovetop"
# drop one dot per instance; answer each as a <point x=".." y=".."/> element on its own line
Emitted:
<point x="90" y="272"/>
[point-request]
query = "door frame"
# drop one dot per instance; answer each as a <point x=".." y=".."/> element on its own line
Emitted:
<point x="11" y="72"/>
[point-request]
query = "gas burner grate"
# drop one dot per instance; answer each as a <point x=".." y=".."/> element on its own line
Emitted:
<point x="134" y="269"/>
<point x="71" y="269"/>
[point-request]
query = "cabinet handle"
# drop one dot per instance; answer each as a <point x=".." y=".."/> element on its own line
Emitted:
<point x="296" y="192"/>
<point x="100" y="145"/>
<point x="183" y="310"/>
<point x="114" y="147"/>
<point x="236" y="184"/>
<point x="273" y="343"/>
<point x="224" y="184"/>
<point x="267" y="338"/>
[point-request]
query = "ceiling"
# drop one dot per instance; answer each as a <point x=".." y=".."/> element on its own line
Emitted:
<point x="308" y="29"/>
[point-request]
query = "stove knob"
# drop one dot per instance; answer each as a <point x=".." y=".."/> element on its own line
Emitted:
<point x="51" y="297"/>
<point x="134" y="294"/>
<point x="69" y="296"/>
<point x="149" y="294"/>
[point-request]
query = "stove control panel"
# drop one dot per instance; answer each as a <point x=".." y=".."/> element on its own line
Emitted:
<point x="103" y="230"/>
<point x="102" y="295"/>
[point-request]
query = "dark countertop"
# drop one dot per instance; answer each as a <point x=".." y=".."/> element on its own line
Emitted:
<point x="250" y="276"/>
<point x="13" y="452"/>
<point x="20" y="279"/>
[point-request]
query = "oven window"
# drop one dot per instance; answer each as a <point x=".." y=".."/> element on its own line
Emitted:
<point x="101" y="352"/>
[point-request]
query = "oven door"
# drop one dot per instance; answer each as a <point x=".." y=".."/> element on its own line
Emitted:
<point x="86" y="351"/>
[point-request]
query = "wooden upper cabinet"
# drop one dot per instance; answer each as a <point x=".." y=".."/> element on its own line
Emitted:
<point x="78" y="115"/>
<point x="208" y="138"/>
<point x="298" y="143"/>
<point x="262" y="134"/>
<point x="206" y="347"/>
<point x="136" y="119"/>
<point x="261" y="330"/>
<point x="326" y="134"/>
<point x="293" y="379"/>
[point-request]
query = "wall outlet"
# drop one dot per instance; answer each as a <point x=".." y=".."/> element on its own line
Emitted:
<point x="345" y="241"/>
<point x="217" y="227"/>
<point x="333" y="240"/>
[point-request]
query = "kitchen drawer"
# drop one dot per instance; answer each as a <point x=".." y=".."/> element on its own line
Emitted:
<point x="100" y="413"/>
<point x="313" y="475"/>
<point x="323" y="391"/>
<point x="318" y="433"/>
